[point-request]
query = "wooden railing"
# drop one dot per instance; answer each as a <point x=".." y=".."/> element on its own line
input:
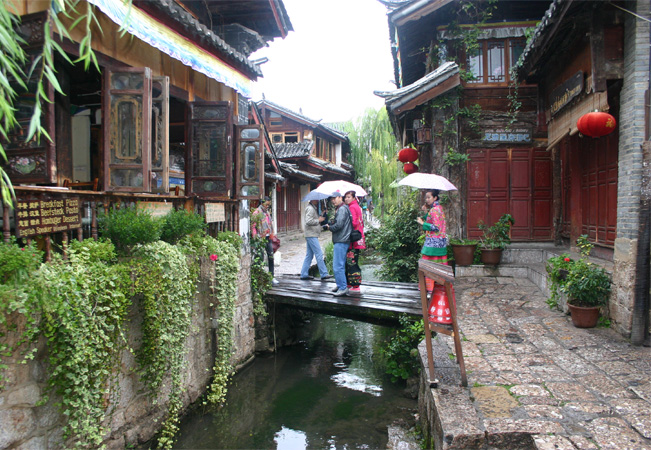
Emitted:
<point x="54" y="215"/>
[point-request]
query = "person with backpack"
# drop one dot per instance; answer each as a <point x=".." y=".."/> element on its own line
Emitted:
<point x="341" y="228"/>
<point x="353" y="271"/>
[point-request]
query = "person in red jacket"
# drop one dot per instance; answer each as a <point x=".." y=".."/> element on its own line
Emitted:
<point x="353" y="271"/>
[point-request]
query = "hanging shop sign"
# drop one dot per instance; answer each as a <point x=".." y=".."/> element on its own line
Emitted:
<point x="521" y="135"/>
<point x="564" y="93"/>
<point x="34" y="217"/>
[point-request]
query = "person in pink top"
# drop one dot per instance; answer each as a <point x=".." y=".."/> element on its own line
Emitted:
<point x="353" y="271"/>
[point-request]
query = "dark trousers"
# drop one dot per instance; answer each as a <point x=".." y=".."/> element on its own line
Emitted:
<point x="270" y="255"/>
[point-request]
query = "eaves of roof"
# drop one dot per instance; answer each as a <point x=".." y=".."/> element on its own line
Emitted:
<point x="302" y="119"/>
<point x="415" y="10"/>
<point x="445" y="76"/>
<point x="191" y="27"/>
<point x="536" y="45"/>
<point x="293" y="170"/>
<point x="319" y="163"/>
<point x="273" y="176"/>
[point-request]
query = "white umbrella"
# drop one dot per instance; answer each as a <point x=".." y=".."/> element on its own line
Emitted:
<point x="427" y="181"/>
<point x="328" y="187"/>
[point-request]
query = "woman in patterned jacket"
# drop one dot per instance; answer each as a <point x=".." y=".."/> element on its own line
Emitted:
<point x="435" y="247"/>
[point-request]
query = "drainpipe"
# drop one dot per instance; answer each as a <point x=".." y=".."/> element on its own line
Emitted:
<point x="640" y="325"/>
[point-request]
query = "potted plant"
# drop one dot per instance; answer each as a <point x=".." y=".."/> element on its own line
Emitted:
<point x="587" y="287"/>
<point x="463" y="251"/>
<point x="495" y="239"/>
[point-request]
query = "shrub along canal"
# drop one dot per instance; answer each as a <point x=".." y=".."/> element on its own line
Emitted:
<point x="330" y="391"/>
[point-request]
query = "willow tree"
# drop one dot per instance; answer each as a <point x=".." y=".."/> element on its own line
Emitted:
<point x="373" y="149"/>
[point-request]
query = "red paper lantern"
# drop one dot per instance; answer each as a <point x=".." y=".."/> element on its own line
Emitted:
<point x="410" y="167"/>
<point x="596" y="124"/>
<point x="407" y="155"/>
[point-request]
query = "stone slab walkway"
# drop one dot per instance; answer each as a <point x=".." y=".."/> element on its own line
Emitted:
<point x="534" y="380"/>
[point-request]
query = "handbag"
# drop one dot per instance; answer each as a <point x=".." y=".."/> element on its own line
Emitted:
<point x="355" y="235"/>
<point x="275" y="243"/>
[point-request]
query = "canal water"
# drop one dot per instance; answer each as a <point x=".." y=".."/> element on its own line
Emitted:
<point x="329" y="392"/>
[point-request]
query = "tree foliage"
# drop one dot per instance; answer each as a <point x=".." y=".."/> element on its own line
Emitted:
<point x="373" y="148"/>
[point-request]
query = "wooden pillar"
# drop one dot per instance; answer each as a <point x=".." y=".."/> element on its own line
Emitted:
<point x="6" y="229"/>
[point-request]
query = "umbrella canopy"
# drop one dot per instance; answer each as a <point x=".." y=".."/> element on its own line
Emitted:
<point x="314" y="195"/>
<point x="328" y="187"/>
<point x="427" y="181"/>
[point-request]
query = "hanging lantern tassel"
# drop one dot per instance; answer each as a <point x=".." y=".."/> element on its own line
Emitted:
<point x="407" y="155"/>
<point x="596" y="124"/>
<point x="410" y="168"/>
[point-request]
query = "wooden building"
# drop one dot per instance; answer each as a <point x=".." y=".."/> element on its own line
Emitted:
<point x="594" y="56"/>
<point x="309" y="153"/>
<point x="452" y="62"/>
<point x="165" y="119"/>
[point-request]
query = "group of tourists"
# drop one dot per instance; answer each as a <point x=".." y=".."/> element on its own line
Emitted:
<point x="347" y="228"/>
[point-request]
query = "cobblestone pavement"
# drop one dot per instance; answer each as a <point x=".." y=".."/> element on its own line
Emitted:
<point x="292" y="252"/>
<point x="531" y="372"/>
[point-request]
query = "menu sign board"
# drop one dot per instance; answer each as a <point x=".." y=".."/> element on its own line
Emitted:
<point x="156" y="209"/>
<point x="34" y="217"/>
<point x="564" y="93"/>
<point x="215" y="212"/>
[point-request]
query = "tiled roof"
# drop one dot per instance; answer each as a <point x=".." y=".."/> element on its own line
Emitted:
<point x="203" y="34"/>
<point x="273" y="176"/>
<point x="398" y="97"/>
<point x="293" y="149"/>
<point x="292" y="169"/>
<point x="314" y="123"/>
<point x="329" y="166"/>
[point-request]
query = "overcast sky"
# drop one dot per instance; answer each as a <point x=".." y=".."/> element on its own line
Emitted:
<point x="329" y="66"/>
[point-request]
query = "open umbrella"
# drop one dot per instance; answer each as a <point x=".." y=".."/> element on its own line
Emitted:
<point x="314" y="195"/>
<point x="328" y="187"/>
<point x="427" y="181"/>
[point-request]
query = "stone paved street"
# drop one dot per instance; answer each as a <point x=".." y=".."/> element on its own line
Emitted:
<point x="534" y="380"/>
<point x="532" y="373"/>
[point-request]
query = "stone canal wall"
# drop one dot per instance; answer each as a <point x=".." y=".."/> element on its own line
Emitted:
<point x="135" y="417"/>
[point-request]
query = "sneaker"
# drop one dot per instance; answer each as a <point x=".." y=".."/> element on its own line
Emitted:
<point x="334" y="289"/>
<point x="307" y="278"/>
<point x="341" y="293"/>
<point x="275" y="282"/>
<point x="327" y="277"/>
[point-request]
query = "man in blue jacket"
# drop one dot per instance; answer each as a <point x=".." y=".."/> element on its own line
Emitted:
<point x="341" y="227"/>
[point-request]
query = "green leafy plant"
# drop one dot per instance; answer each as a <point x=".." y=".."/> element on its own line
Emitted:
<point x="496" y="236"/>
<point x="587" y="284"/>
<point x="127" y="227"/>
<point x="17" y="262"/>
<point x="401" y="352"/>
<point x="557" y="269"/>
<point x="462" y="241"/>
<point x="397" y="241"/>
<point x="179" y="223"/>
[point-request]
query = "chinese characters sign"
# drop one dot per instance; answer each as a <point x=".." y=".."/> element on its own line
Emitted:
<point x="215" y="212"/>
<point x="508" y="135"/>
<point x="47" y="216"/>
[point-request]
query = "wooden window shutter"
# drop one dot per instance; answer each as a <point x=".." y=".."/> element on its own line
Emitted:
<point x="160" y="151"/>
<point x="32" y="161"/>
<point x="249" y="161"/>
<point x="126" y="115"/>
<point x="210" y="171"/>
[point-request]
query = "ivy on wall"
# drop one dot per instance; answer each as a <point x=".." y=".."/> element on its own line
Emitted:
<point x="81" y="307"/>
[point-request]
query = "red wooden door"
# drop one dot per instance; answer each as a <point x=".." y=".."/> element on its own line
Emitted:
<point x="513" y="181"/>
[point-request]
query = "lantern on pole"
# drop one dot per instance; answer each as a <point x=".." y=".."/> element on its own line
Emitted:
<point x="407" y="155"/>
<point x="409" y="168"/>
<point x="596" y="124"/>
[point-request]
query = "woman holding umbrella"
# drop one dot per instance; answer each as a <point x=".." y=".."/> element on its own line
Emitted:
<point x="435" y="247"/>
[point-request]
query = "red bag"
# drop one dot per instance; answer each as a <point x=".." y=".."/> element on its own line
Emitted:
<point x="275" y="243"/>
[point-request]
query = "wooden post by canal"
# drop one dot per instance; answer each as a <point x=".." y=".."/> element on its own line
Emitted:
<point x="444" y="276"/>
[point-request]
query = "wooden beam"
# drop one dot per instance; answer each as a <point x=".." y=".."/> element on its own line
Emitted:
<point x="442" y="88"/>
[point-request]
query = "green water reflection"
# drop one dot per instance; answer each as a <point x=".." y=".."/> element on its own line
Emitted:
<point x="331" y="392"/>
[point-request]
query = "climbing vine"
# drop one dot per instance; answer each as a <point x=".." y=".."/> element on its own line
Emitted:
<point x="81" y="307"/>
<point x="260" y="277"/>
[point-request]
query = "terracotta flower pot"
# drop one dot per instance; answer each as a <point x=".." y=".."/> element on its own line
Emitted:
<point x="491" y="256"/>
<point x="464" y="254"/>
<point x="584" y="317"/>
